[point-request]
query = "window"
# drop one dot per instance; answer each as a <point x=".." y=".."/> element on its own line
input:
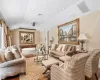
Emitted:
<point x="1" y="37"/>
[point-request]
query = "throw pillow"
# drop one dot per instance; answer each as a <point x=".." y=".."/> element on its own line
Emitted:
<point x="8" y="49"/>
<point x="14" y="46"/>
<point x="70" y="53"/>
<point x="53" y="46"/>
<point x="2" y="57"/>
<point x="9" y="56"/>
<point x="59" y="48"/>
<point x="64" y="48"/>
<point x="69" y="48"/>
<point x="16" y="53"/>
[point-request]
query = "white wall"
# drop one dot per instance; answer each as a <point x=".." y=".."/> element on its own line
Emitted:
<point x="90" y="25"/>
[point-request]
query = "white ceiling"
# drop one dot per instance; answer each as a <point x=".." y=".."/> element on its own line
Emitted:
<point x="21" y="13"/>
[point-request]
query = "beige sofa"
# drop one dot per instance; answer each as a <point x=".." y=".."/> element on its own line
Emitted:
<point x="11" y="67"/>
<point x="59" y="50"/>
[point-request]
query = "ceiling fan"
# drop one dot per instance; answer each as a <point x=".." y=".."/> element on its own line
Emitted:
<point x="33" y="24"/>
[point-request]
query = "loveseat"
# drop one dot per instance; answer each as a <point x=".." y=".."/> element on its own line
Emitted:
<point x="59" y="50"/>
<point x="11" y="65"/>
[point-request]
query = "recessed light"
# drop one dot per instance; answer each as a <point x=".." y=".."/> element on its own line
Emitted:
<point x="63" y="8"/>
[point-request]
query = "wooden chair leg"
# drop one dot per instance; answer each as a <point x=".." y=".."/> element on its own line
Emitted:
<point x="86" y="78"/>
<point x="24" y="73"/>
<point x="96" y="76"/>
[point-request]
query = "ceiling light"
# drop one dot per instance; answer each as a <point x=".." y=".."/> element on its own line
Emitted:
<point x="33" y="23"/>
<point x="40" y="14"/>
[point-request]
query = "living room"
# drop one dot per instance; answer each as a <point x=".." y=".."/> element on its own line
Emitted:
<point x="42" y="40"/>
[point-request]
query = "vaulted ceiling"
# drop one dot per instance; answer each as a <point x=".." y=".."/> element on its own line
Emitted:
<point x="46" y="13"/>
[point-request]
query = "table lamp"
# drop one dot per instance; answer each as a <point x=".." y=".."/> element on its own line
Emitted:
<point x="82" y="38"/>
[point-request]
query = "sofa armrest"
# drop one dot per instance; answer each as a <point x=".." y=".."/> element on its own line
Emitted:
<point x="69" y="53"/>
<point x="57" y="73"/>
<point x="12" y="62"/>
<point x="56" y="67"/>
<point x="22" y="56"/>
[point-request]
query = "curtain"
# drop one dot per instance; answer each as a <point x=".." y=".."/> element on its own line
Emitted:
<point x="4" y="34"/>
<point x="47" y="39"/>
<point x="0" y="33"/>
<point x="2" y="38"/>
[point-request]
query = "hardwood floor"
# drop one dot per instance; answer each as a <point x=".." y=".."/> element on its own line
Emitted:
<point x="17" y="77"/>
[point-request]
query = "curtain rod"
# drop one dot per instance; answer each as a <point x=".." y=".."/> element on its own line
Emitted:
<point x="27" y="29"/>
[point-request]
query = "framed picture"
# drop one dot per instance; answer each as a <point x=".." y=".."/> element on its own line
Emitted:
<point x="68" y="32"/>
<point x="26" y="37"/>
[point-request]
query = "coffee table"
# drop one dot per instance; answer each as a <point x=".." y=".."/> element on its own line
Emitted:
<point x="48" y="63"/>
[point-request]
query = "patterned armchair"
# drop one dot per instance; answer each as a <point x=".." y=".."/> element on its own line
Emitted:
<point x="91" y="66"/>
<point x="73" y="69"/>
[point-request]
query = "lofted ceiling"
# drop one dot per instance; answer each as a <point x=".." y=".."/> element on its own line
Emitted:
<point x="46" y="13"/>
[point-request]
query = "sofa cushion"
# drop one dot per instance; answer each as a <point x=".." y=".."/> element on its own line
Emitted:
<point x="16" y="53"/>
<point x="69" y="48"/>
<point x="58" y="53"/>
<point x="14" y="46"/>
<point x="59" y="48"/>
<point x="9" y="56"/>
<point x="8" y="49"/>
<point x="53" y="46"/>
<point x="64" y="48"/>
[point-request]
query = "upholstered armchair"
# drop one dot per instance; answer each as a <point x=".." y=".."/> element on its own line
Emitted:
<point x="72" y="69"/>
<point x="12" y="68"/>
<point x="91" y="66"/>
<point x="11" y="63"/>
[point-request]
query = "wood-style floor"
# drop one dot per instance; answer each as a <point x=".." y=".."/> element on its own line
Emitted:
<point x="17" y="77"/>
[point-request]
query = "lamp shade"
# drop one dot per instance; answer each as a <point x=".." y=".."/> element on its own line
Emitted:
<point x="82" y="37"/>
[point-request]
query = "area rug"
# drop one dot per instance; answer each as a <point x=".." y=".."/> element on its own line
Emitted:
<point x="33" y="70"/>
